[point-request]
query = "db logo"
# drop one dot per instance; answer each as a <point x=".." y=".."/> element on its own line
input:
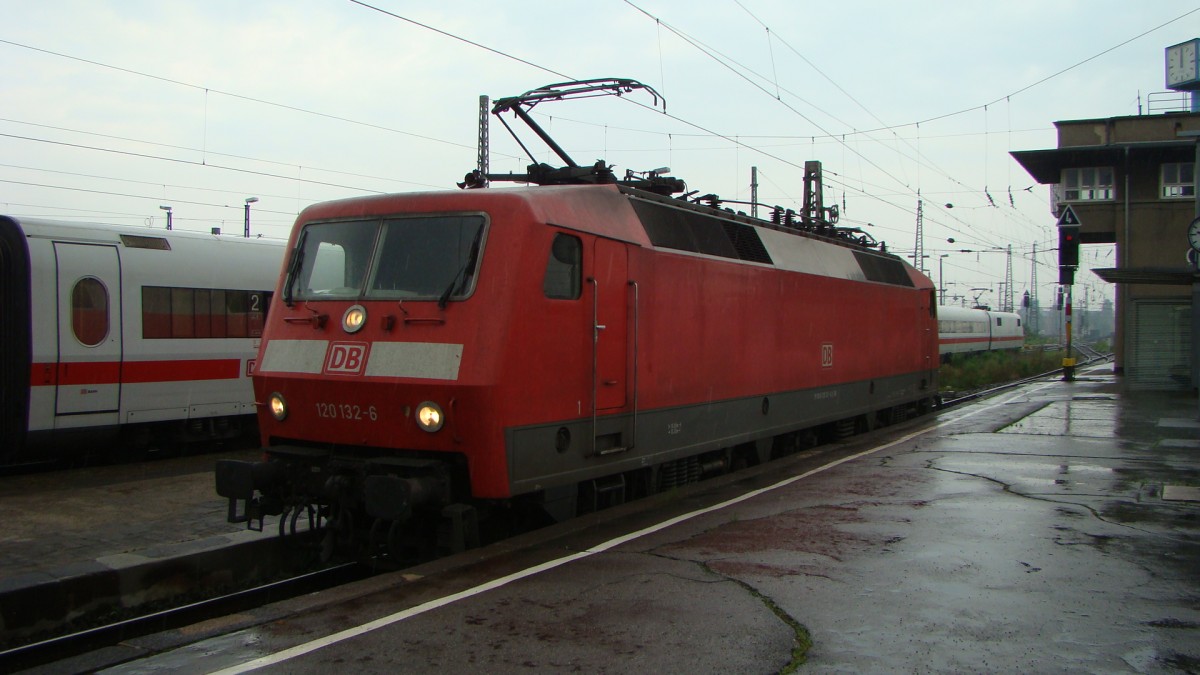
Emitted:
<point x="346" y="358"/>
<point x="827" y="355"/>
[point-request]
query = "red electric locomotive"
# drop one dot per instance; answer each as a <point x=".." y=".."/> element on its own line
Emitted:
<point x="566" y="346"/>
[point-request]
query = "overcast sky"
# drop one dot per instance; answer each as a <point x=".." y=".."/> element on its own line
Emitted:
<point x="113" y="109"/>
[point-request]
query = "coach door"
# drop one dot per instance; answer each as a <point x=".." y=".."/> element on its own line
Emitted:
<point x="89" y="329"/>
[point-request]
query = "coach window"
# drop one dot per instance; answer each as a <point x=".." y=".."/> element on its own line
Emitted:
<point x="202" y="312"/>
<point x="183" y="316"/>
<point x="89" y="311"/>
<point x="564" y="270"/>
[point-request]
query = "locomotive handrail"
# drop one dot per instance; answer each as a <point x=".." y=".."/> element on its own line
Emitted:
<point x="316" y="320"/>
<point x="633" y="435"/>
<point x="596" y="328"/>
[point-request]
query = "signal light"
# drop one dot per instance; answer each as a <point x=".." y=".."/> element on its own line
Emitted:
<point x="1068" y="245"/>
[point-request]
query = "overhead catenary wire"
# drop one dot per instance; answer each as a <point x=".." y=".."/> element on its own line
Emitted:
<point x="191" y="162"/>
<point x="230" y="94"/>
<point x="741" y="139"/>
<point x="985" y="191"/>
<point x="210" y="152"/>
<point x="727" y="64"/>
<point x="836" y="137"/>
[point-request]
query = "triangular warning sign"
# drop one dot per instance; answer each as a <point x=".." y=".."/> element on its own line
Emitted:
<point x="1068" y="217"/>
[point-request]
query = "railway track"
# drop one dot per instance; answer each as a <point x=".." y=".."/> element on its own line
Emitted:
<point x="125" y="629"/>
<point x="1091" y="356"/>
<point x="81" y="642"/>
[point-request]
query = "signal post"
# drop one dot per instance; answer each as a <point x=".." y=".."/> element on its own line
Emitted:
<point x="1068" y="260"/>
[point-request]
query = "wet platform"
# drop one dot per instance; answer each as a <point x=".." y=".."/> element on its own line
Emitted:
<point x="60" y="518"/>
<point x="80" y="540"/>
<point x="1051" y="529"/>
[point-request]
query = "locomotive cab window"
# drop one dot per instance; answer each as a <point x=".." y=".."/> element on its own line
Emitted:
<point x="331" y="260"/>
<point x="564" y="269"/>
<point x="426" y="258"/>
<point x="89" y="311"/>
<point x="419" y="258"/>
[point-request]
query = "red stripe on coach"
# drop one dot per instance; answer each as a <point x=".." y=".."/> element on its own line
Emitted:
<point x="132" y="372"/>
<point x="963" y="341"/>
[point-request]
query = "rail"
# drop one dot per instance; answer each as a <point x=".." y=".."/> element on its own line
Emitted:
<point x="81" y="642"/>
<point x="1091" y="356"/>
<point x="68" y="645"/>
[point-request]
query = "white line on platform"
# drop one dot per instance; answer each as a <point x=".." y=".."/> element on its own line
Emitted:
<point x="308" y="647"/>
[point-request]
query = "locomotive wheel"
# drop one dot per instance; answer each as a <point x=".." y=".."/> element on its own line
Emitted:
<point x="290" y="517"/>
<point x="739" y="461"/>
<point x="395" y="548"/>
<point x="339" y="533"/>
<point x="377" y="537"/>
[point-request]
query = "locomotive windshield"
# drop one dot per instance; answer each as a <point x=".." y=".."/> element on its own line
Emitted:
<point x="419" y="258"/>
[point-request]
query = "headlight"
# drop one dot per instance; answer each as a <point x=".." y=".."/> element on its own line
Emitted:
<point x="354" y="319"/>
<point x="429" y="416"/>
<point x="278" y="406"/>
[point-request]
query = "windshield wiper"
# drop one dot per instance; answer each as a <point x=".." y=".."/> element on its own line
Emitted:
<point x="462" y="271"/>
<point x="292" y="268"/>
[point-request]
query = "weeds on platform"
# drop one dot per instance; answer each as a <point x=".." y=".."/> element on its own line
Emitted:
<point x="988" y="368"/>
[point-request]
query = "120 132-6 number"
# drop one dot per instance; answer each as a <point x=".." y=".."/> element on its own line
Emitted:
<point x="346" y="411"/>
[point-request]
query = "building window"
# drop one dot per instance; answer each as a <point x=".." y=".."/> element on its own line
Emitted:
<point x="1088" y="184"/>
<point x="1179" y="180"/>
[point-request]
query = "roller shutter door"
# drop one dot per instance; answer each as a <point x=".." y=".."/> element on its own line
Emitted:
<point x="1160" y="354"/>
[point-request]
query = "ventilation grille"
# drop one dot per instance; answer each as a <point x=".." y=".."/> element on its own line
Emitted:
<point x="688" y="231"/>
<point x="746" y="242"/>
<point x="138" y="241"/>
<point x="884" y="270"/>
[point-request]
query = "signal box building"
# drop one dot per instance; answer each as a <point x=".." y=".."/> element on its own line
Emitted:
<point x="1132" y="182"/>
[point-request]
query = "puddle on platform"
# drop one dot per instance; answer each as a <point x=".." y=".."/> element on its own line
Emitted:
<point x="1181" y="493"/>
<point x="1179" y="423"/>
<point x="1181" y="443"/>
<point x="1087" y="418"/>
